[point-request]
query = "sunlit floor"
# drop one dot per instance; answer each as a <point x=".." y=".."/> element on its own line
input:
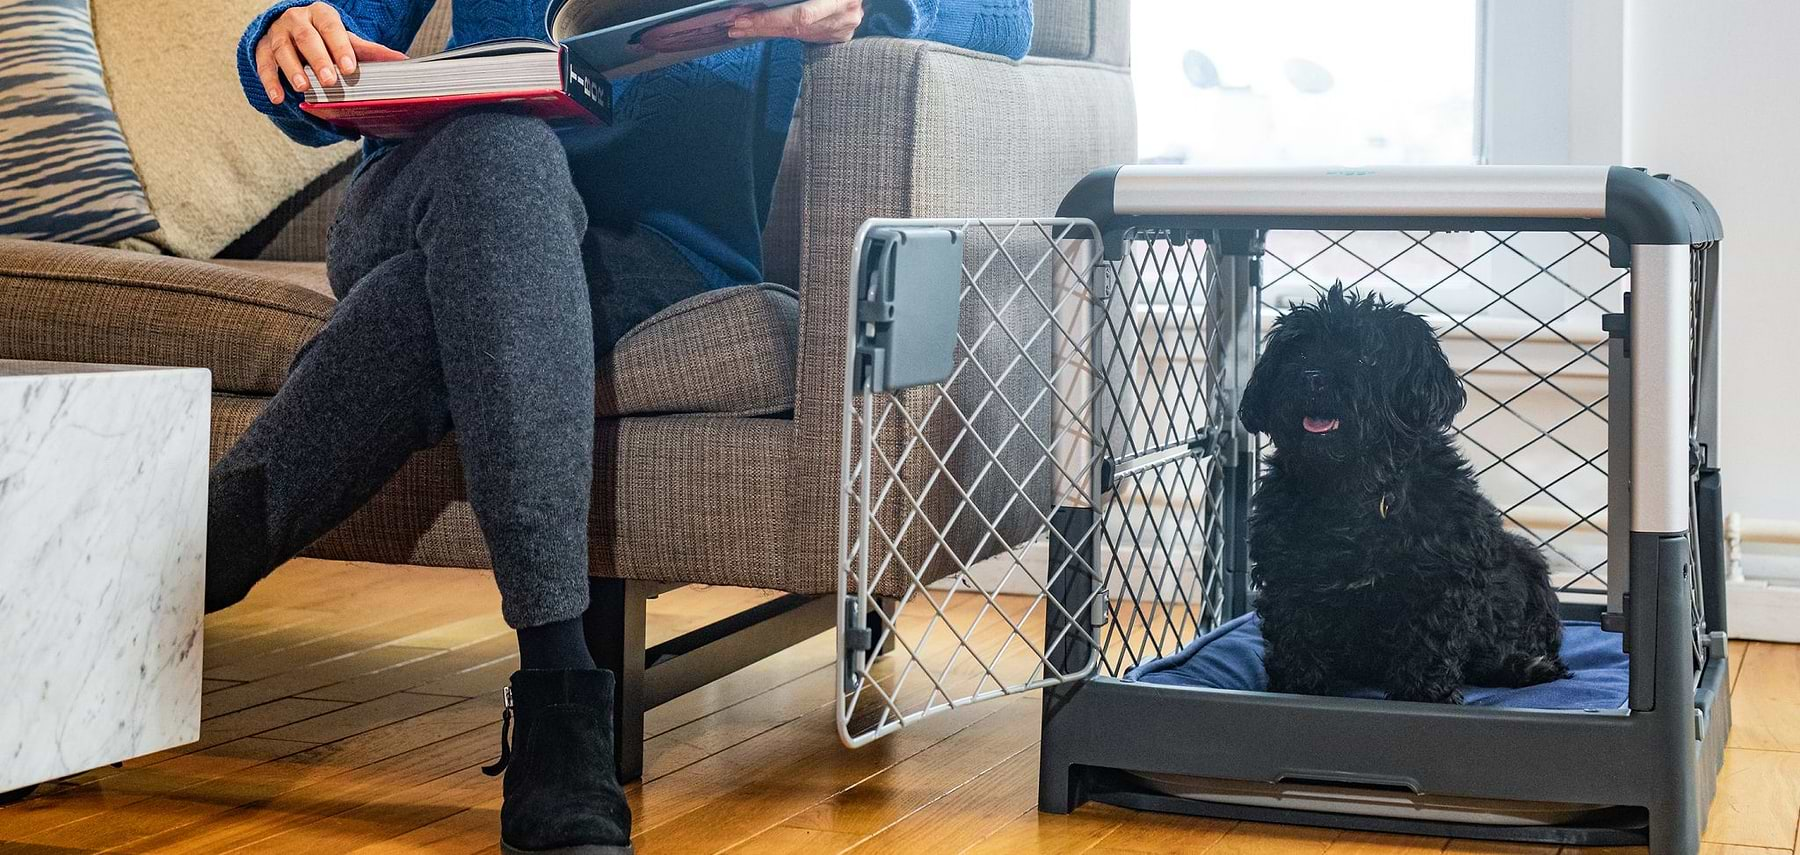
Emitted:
<point x="348" y="708"/>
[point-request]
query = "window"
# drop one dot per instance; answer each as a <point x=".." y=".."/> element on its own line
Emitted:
<point x="1299" y="82"/>
<point x="1279" y="82"/>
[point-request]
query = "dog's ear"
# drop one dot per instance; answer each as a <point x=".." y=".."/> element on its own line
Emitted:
<point x="1255" y="409"/>
<point x="1427" y="391"/>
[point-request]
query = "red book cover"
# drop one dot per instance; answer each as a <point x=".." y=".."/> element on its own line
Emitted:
<point x="399" y="118"/>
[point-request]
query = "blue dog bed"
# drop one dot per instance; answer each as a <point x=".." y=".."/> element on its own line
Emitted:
<point x="1230" y="657"/>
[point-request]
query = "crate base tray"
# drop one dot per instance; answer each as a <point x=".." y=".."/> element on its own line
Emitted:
<point x="1374" y="810"/>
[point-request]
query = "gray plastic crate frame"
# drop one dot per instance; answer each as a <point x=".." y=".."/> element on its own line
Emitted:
<point x="1123" y="517"/>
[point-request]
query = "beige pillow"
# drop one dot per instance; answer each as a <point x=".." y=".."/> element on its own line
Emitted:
<point x="212" y="166"/>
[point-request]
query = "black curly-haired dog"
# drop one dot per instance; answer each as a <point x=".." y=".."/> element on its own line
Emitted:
<point x="1377" y="558"/>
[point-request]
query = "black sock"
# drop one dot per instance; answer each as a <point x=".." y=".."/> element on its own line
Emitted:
<point x="559" y="645"/>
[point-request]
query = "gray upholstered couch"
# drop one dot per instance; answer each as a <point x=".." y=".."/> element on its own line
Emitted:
<point x="720" y="421"/>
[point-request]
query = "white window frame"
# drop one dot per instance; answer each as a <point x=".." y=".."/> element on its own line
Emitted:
<point x="1550" y="84"/>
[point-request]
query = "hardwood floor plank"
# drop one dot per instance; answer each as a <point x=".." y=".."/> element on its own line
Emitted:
<point x="1765" y="705"/>
<point x="360" y="718"/>
<point x="1148" y="833"/>
<point x="786" y="840"/>
<point x="474" y="680"/>
<point x="1035" y="833"/>
<point x="459" y="633"/>
<point x="196" y="810"/>
<point x="1501" y="847"/>
<point x="232" y="726"/>
<point x="474" y="829"/>
<point x="752" y="785"/>
<point x="894" y="793"/>
<point x="303" y="796"/>
<point x="1728" y="849"/>
<point x="812" y="693"/>
<point x="106" y="805"/>
<point x="307" y="678"/>
<point x="1255" y="838"/>
<point x="416" y="673"/>
<point x="382" y="816"/>
<point x="814" y="654"/>
<point x="675" y="749"/>
<point x="383" y="625"/>
<point x="1368" y="843"/>
<point x="964" y="816"/>
<point x="1758" y="803"/>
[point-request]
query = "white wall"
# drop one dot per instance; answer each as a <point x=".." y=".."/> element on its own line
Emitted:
<point x="1712" y="94"/>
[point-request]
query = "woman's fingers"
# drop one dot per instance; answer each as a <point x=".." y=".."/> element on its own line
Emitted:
<point x="312" y="48"/>
<point x="315" y="36"/>
<point x="368" y="51"/>
<point x="811" y="20"/>
<point x="337" y="40"/>
<point x="289" y="60"/>
<point x="269" y="73"/>
<point x="842" y="26"/>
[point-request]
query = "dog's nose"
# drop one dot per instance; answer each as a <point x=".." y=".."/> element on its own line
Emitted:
<point x="1315" y="381"/>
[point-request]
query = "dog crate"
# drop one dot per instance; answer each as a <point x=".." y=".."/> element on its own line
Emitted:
<point x="1046" y="486"/>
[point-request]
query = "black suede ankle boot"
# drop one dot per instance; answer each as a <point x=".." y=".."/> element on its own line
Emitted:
<point x="562" y="791"/>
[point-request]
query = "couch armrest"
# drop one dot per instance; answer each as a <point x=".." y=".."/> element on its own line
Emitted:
<point x="66" y="303"/>
<point x="896" y="128"/>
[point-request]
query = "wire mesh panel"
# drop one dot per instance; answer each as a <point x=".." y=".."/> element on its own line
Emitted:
<point x="1176" y="325"/>
<point x="1055" y="506"/>
<point x="951" y="490"/>
<point x="1520" y="316"/>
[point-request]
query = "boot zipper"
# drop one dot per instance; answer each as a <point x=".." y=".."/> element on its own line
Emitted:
<point x="506" y="715"/>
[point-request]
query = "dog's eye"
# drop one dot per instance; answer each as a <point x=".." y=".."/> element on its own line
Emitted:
<point x="1369" y="361"/>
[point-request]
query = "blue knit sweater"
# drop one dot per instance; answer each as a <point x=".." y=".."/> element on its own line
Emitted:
<point x="694" y="148"/>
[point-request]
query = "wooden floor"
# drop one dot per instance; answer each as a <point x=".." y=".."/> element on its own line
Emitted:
<point x="348" y="708"/>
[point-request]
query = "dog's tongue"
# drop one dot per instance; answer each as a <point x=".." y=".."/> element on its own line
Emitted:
<point x="1313" y="425"/>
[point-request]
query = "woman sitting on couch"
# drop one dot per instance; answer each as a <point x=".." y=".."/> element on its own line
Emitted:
<point x="480" y="268"/>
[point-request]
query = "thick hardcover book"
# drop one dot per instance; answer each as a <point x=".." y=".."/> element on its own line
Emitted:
<point x="522" y="75"/>
<point x="563" y="81"/>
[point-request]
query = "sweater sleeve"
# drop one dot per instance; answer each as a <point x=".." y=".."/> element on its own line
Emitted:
<point x="992" y="26"/>
<point x="388" y="22"/>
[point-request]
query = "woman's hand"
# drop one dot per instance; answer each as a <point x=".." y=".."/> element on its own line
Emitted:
<point x="819" y="21"/>
<point x="312" y="35"/>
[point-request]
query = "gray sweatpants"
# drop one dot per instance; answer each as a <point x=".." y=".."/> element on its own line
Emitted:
<point x="474" y="297"/>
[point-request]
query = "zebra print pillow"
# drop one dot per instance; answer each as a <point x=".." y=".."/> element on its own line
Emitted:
<point x="65" y="171"/>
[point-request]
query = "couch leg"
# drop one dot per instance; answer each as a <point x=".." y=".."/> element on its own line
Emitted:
<point x="614" y="625"/>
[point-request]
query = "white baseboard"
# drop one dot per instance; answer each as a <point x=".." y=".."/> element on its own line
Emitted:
<point x="1763" y="611"/>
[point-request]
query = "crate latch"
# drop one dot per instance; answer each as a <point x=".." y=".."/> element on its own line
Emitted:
<point x="1100" y="610"/>
<point x="907" y="307"/>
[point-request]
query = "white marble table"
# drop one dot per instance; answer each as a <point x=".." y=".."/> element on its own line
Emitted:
<point x="102" y="562"/>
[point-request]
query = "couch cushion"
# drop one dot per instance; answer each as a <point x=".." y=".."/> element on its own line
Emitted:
<point x="66" y="173"/>
<point x="725" y="352"/>
<point x="87" y="304"/>
<point x="1096" y="30"/>
<point x="213" y="167"/>
<point x="729" y="351"/>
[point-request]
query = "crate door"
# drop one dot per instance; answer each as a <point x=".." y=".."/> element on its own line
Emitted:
<point x="1051" y="500"/>
<point x="969" y="479"/>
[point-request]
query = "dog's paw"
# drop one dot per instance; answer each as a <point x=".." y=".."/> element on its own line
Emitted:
<point x="1550" y="668"/>
<point x="1543" y="668"/>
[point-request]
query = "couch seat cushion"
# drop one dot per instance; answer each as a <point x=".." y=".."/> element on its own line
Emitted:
<point x="87" y="304"/>
<point x="724" y="352"/>
<point x="729" y="351"/>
